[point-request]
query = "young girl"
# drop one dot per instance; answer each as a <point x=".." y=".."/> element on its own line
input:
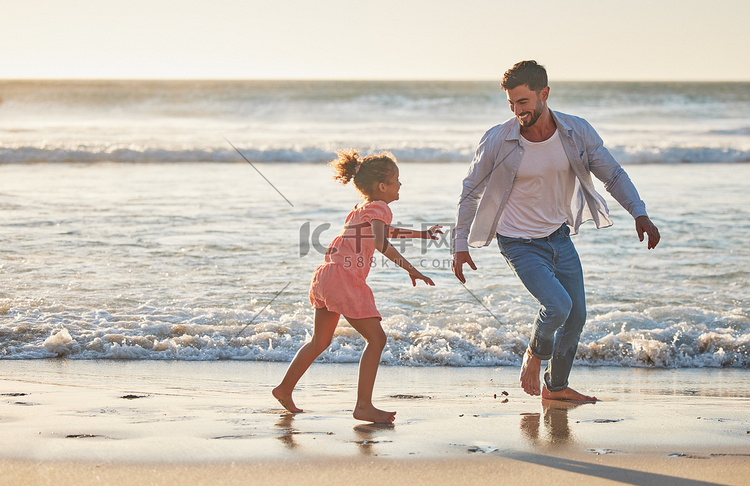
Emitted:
<point x="338" y="286"/>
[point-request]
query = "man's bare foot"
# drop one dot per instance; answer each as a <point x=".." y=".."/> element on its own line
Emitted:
<point x="285" y="399"/>
<point x="568" y="394"/>
<point x="530" y="373"/>
<point x="375" y="415"/>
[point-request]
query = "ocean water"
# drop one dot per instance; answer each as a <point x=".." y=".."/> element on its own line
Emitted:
<point x="299" y="121"/>
<point x="122" y="238"/>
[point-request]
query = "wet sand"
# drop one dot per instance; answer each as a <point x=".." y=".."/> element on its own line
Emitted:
<point x="107" y="422"/>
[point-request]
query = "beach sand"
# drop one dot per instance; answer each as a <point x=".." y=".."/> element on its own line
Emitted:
<point x="180" y="422"/>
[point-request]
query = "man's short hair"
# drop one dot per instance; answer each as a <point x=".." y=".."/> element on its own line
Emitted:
<point x="525" y="72"/>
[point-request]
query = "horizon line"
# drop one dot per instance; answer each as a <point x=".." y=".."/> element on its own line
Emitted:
<point x="359" y="79"/>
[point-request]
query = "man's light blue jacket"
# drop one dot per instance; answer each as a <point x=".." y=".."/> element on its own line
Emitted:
<point x="490" y="178"/>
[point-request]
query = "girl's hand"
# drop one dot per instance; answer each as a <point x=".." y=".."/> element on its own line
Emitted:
<point x="430" y="233"/>
<point x="417" y="275"/>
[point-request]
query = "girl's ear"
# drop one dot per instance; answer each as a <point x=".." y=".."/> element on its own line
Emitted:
<point x="381" y="186"/>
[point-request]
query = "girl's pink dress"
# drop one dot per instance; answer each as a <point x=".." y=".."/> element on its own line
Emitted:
<point x="339" y="283"/>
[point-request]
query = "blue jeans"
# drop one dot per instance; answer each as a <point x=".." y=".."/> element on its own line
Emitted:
<point x="551" y="271"/>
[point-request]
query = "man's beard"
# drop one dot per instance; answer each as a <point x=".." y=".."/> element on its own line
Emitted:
<point x="535" y="114"/>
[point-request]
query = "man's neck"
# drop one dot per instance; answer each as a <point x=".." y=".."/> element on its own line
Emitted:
<point x="542" y="130"/>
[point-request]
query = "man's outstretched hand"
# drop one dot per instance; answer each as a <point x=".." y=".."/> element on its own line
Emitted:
<point x="644" y="225"/>
<point x="457" y="264"/>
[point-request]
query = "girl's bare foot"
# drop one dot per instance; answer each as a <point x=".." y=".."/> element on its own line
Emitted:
<point x="566" y="394"/>
<point x="372" y="414"/>
<point x="530" y="373"/>
<point x="285" y="399"/>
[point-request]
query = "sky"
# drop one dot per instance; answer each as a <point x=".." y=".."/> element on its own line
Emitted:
<point x="675" y="40"/>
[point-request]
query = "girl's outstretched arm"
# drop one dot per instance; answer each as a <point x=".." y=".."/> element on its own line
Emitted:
<point x="379" y="232"/>
<point x="429" y="234"/>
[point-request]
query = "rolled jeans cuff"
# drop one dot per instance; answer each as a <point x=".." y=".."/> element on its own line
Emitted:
<point x="542" y="357"/>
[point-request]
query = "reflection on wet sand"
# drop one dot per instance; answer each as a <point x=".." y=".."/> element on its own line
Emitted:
<point x="556" y="423"/>
<point x="288" y="432"/>
<point x="366" y="435"/>
<point x="530" y="426"/>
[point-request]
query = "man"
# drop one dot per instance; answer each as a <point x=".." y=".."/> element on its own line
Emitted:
<point x="528" y="186"/>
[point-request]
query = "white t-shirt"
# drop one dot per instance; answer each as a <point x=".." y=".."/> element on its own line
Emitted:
<point x="539" y="202"/>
